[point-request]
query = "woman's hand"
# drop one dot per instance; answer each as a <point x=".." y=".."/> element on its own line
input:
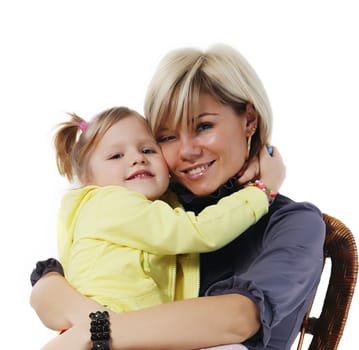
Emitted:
<point x="75" y="338"/>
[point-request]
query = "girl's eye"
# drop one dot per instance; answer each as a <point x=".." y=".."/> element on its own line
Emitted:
<point x="149" y="151"/>
<point x="116" y="156"/>
<point x="204" y="126"/>
<point x="162" y="139"/>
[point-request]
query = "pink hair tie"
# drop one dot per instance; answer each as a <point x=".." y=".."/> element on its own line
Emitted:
<point x="83" y="125"/>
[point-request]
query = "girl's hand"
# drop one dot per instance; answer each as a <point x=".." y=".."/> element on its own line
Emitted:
<point x="272" y="169"/>
<point x="250" y="172"/>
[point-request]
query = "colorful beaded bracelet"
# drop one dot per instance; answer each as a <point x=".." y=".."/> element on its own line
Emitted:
<point x="100" y="330"/>
<point x="267" y="190"/>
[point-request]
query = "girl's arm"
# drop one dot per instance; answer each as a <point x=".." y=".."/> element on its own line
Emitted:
<point x="112" y="209"/>
<point x="187" y="324"/>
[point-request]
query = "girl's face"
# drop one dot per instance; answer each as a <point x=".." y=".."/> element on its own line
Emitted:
<point x="204" y="158"/>
<point x="128" y="156"/>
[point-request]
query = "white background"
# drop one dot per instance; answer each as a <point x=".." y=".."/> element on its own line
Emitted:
<point x="83" y="56"/>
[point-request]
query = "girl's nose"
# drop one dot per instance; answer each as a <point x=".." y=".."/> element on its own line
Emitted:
<point x="139" y="158"/>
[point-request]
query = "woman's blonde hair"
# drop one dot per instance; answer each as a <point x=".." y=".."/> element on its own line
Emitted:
<point x="221" y="71"/>
<point x="75" y="139"/>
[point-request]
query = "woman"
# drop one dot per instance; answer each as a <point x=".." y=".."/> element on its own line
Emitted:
<point x="211" y="116"/>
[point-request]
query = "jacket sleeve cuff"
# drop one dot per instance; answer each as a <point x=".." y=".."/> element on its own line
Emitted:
<point x="235" y="285"/>
<point x="45" y="266"/>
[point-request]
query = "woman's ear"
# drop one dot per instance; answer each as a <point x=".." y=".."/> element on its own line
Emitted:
<point x="251" y="117"/>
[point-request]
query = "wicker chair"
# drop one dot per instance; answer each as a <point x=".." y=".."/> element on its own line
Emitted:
<point x="340" y="247"/>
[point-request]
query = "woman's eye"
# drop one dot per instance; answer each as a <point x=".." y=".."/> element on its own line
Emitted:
<point x="204" y="126"/>
<point x="168" y="138"/>
<point x="116" y="156"/>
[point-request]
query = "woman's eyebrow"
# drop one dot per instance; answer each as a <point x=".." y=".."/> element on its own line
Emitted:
<point x="205" y="114"/>
<point x="202" y="115"/>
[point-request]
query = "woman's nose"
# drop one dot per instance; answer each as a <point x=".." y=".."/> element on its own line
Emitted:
<point x="190" y="150"/>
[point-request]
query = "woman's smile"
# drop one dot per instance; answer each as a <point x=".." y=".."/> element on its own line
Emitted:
<point x="198" y="170"/>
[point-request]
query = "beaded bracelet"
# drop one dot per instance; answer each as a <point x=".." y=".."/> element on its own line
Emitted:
<point x="100" y="330"/>
<point x="267" y="190"/>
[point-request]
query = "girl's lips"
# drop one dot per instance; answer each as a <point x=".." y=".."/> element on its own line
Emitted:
<point x="141" y="174"/>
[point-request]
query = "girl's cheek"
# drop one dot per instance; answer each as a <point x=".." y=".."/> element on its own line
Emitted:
<point x="168" y="154"/>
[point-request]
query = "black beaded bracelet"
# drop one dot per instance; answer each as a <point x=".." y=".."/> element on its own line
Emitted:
<point x="100" y="330"/>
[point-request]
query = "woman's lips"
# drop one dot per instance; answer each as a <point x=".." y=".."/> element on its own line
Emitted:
<point x="198" y="170"/>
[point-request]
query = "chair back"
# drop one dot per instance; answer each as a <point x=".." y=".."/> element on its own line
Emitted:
<point x="341" y="249"/>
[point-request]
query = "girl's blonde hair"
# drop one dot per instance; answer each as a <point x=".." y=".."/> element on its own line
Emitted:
<point x="173" y="94"/>
<point x="75" y="139"/>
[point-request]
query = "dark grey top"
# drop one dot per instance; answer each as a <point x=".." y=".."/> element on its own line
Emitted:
<point x="277" y="263"/>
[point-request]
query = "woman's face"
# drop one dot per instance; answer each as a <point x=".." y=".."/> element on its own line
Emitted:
<point x="204" y="158"/>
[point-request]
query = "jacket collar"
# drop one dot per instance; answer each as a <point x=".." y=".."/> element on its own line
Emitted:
<point x="197" y="203"/>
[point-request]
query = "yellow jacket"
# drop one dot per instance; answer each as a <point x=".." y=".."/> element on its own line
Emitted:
<point x="120" y="248"/>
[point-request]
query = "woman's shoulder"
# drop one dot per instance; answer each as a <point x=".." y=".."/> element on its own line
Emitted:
<point x="282" y="201"/>
<point x="297" y="214"/>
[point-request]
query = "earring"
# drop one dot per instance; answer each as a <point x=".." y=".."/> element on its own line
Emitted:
<point x="249" y="140"/>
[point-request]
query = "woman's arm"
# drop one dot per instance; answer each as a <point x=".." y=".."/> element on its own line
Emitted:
<point x="187" y="324"/>
<point x="57" y="304"/>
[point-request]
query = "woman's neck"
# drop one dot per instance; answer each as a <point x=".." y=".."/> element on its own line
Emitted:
<point x="197" y="203"/>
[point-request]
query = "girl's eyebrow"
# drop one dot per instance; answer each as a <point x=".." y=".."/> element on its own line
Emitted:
<point x="163" y="129"/>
